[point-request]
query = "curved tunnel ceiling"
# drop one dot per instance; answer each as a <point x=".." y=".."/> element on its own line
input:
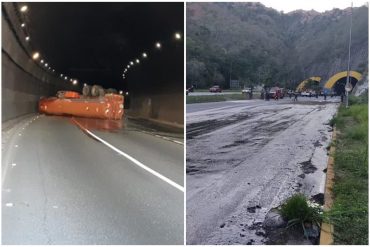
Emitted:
<point x="301" y="85"/>
<point x="335" y="78"/>
<point x="95" y="41"/>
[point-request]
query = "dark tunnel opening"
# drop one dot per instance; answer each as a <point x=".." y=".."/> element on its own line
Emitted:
<point x="339" y="86"/>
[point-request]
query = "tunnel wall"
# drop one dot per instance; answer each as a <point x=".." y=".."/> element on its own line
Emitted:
<point x="165" y="108"/>
<point x="23" y="80"/>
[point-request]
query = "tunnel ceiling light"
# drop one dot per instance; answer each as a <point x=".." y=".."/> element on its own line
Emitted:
<point x="53" y="70"/>
<point x="61" y="75"/>
<point x="23" y="24"/>
<point x="24" y="8"/>
<point x="65" y="78"/>
<point x="71" y="80"/>
<point x="145" y="55"/>
<point x="158" y="45"/>
<point x="75" y="82"/>
<point x="49" y="68"/>
<point x="137" y="61"/>
<point x="128" y="66"/>
<point x="46" y="65"/>
<point x="42" y="61"/>
<point x="177" y="36"/>
<point x="132" y="63"/>
<point x="120" y="92"/>
<point x="126" y="93"/>
<point x="35" y="55"/>
<point x="85" y="84"/>
<point x="27" y="38"/>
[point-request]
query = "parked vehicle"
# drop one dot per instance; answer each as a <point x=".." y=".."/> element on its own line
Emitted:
<point x="305" y="94"/>
<point x="215" y="89"/>
<point x="246" y="90"/>
<point x="276" y="92"/>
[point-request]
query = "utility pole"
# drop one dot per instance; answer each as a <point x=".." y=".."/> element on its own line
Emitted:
<point x="348" y="86"/>
<point x="231" y="67"/>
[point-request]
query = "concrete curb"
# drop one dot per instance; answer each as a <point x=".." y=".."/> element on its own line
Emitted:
<point x="327" y="230"/>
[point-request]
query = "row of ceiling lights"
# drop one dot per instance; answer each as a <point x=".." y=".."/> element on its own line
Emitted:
<point x="144" y="55"/>
<point x="37" y="56"/>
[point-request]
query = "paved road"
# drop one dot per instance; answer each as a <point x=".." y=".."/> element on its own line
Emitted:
<point x="65" y="187"/>
<point x="245" y="158"/>
<point x="209" y="93"/>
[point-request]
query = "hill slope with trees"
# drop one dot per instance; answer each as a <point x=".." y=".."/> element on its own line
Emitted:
<point x="258" y="45"/>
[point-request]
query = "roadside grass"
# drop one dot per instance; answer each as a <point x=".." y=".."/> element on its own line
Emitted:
<point x="214" y="98"/>
<point x="349" y="213"/>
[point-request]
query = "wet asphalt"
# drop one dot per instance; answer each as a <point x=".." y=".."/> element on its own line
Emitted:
<point x="245" y="158"/>
<point x="61" y="186"/>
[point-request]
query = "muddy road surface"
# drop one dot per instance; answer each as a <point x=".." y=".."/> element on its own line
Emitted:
<point x="246" y="157"/>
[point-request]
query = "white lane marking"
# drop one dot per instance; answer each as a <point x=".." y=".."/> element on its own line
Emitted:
<point x="135" y="161"/>
<point x="14" y="164"/>
<point x="9" y="204"/>
<point x="138" y="163"/>
<point x="55" y="206"/>
<point x="163" y="137"/>
<point x="19" y="134"/>
<point x="16" y="146"/>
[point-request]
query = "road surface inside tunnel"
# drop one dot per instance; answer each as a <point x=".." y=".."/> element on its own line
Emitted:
<point x="61" y="186"/>
<point x="245" y="158"/>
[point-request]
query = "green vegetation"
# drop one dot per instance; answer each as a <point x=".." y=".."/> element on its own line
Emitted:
<point x="298" y="212"/>
<point x="255" y="44"/>
<point x="349" y="214"/>
<point x="214" y="98"/>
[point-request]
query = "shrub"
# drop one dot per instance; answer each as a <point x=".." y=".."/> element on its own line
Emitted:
<point x="298" y="210"/>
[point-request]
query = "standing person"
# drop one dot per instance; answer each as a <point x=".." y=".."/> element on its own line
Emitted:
<point x="295" y="96"/>
<point x="324" y="95"/>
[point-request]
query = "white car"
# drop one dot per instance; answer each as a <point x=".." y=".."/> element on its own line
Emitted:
<point x="246" y="90"/>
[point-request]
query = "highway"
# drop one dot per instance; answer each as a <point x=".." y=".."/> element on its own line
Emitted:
<point x="244" y="158"/>
<point x="62" y="186"/>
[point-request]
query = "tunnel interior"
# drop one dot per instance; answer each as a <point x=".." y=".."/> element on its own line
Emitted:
<point x="94" y="43"/>
<point x="339" y="86"/>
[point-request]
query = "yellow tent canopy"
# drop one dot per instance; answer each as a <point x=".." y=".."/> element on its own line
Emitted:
<point x="332" y="80"/>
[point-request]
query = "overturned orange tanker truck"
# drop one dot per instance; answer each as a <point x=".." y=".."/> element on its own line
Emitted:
<point x="95" y="102"/>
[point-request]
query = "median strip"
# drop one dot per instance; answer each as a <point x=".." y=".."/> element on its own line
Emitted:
<point x="133" y="160"/>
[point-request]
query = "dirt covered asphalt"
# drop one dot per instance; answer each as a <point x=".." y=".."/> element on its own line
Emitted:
<point x="246" y="157"/>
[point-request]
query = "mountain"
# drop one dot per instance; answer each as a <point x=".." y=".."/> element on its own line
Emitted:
<point x="256" y="44"/>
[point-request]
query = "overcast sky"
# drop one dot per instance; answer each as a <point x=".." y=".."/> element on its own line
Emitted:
<point x="318" y="5"/>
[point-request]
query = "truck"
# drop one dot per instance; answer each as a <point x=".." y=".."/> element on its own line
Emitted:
<point x="71" y="103"/>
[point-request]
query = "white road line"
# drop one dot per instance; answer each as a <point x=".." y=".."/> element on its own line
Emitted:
<point x="135" y="161"/>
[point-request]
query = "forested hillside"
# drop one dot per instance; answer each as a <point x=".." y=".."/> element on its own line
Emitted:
<point x="255" y="44"/>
